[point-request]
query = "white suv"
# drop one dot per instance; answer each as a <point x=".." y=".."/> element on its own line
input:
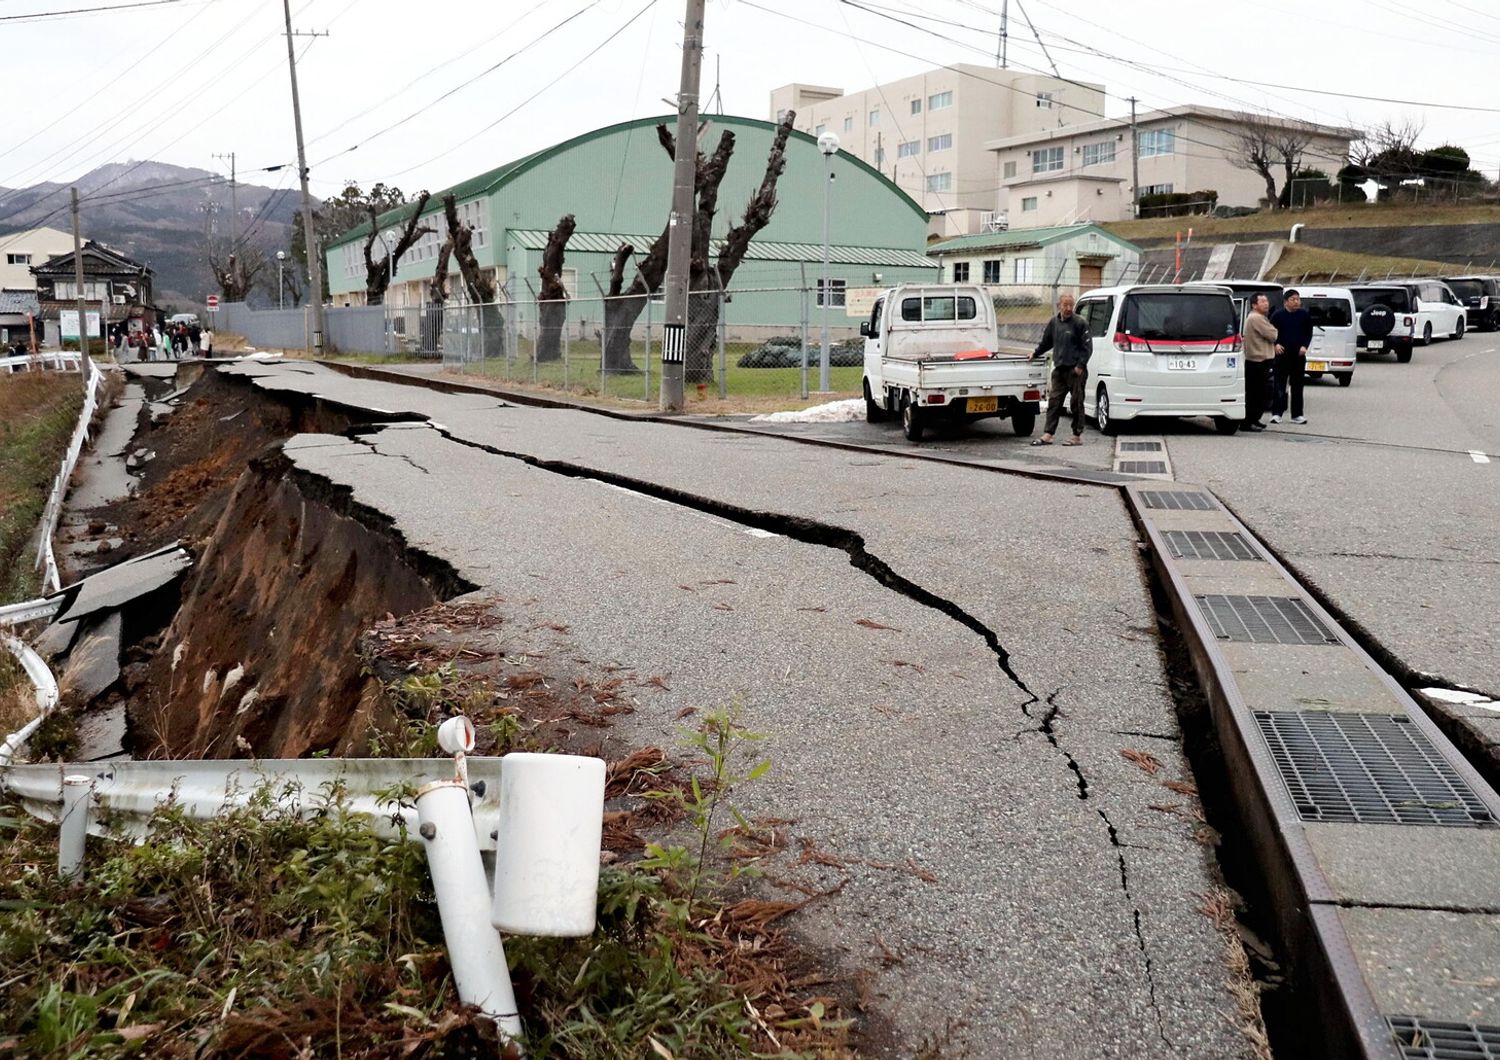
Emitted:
<point x="1437" y="309"/>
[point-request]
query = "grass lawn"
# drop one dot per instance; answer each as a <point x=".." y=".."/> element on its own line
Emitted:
<point x="1299" y="260"/>
<point x="1357" y="215"/>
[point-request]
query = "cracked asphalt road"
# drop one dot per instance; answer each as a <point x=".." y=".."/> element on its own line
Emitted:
<point x="978" y="739"/>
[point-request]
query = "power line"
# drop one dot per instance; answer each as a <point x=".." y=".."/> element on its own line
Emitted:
<point x="38" y="16"/>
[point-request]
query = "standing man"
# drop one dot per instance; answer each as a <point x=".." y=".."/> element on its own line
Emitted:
<point x="1068" y="337"/>
<point x="1260" y="353"/>
<point x="1294" y="331"/>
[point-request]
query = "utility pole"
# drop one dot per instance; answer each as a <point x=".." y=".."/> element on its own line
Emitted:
<point x="1135" y="165"/>
<point x="83" y="316"/>
<point x="680" y="224"/>
<point x="309" y="237"/>
<point x="234" y="203"/>
<point x="1003" y="48"/>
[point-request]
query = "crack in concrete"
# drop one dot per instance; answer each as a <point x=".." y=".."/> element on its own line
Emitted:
<point x="813" y="532"/>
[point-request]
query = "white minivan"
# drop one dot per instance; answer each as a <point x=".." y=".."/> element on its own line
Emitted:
<point x="1335" y="341"/>
<point x="1164" y="351"/>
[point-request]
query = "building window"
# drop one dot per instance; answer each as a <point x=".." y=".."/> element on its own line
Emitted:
<point x="875" y="117"/>
<point x="835" y="293"/>
<point x="1099" y="153"/>
<point x="92" y="292"/>
<point x="940" y="182"/>
<point x="1028" y="204"/>
<point x="1157" y="189"/>
<point x="18" y="259"/>
<point x="848" y="124"/>
<point x="1158" y="142"/>
<point x="992" y="270"/>
<point x="1046" y="159"/>
<point x="1010" y="170"/>
<point x="916" y="105"/>
<point x="1022" y="270"/>
<point x="819" y="129"/>
<point x="1044" y="100"/>
<point x="960" y="272"/>
<point x="940" y="143"/>
<point x="940" y="100"/>
<point x="908" y="149"/>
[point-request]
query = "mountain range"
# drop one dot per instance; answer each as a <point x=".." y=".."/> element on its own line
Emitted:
<point x="163" y="215"/>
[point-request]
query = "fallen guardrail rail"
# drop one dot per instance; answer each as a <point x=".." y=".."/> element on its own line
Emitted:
<point x="46" y="561"/>
<point x="30" y="610"/>
<point x="46" y="695"/>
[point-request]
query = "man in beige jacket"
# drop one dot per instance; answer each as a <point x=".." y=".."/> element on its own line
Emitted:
<point x="1260" y="356"/>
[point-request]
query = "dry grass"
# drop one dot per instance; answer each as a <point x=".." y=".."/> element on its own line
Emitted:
<point x="1300" y="263"/>
<point x="38" y="411"/>
<point x="1358" y="215"/>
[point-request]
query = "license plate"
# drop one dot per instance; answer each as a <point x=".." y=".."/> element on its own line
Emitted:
<point x="1377" y="344"/>
<point x="984" y="404"/>
<point x="1183" y="364"/>
<point x="1317" y="366"/>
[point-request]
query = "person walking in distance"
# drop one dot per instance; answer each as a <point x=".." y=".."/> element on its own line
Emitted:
<point x="1294" y="331"/>
<point x="1260" y="355"/>
<point x="1067" y="336"/>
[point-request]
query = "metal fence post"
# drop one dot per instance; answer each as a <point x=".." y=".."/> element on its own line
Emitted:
<point x="802" y="298"/>
<point x="648" y="348"/>
<point x="723" y="358"/>
<point x="74" y="825"/>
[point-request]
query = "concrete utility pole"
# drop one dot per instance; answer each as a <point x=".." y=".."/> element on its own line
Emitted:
<point x="1135" y="165"/>
<point x="234" y="202"/>
<point x="680" y="224"/>
<point x="309" y="236"/>
<point x="1001" y="56"/>
<point x="83" y="316"/>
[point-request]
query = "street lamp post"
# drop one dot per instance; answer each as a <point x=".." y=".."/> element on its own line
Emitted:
<point x="828" y="143"/>
<point x="280" y="279"/>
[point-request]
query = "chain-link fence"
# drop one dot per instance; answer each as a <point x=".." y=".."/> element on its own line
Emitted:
<point x="750" y="346"/>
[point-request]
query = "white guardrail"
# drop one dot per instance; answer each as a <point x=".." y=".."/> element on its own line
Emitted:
<point x="46" y="697"/>
<point x="57" y="360"/>
<point x="45" y="559"/>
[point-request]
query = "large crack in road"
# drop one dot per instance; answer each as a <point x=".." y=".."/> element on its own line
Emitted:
<point x="813" y="532"/>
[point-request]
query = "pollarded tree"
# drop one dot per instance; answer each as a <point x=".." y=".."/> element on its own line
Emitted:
<point x="236" y="274"/>
<point x="479" y="288"/>
<point x="709" y="275"/>
<point x="378" y="271"/>
<point x="552" y="308"/>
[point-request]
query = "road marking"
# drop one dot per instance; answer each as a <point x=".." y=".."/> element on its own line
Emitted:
<point x="1478" y="456"/>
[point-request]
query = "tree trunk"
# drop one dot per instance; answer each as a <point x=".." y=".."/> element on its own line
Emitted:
<point x="702" y="331"/>
<point x="552" y="302"/>
<point x="437" y="298"/>
<point x="378" y="273"/>
<point x="1272" y="199"/>
<point x="619" y="315"/>
<point x="479" y="287"/>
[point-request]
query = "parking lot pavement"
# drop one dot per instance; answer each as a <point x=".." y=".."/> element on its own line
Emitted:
<point x="1380" y="503"/>
<point x="1062" y="908"/>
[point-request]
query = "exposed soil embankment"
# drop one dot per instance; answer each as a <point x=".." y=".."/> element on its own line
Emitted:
<point x="261" y="657"/>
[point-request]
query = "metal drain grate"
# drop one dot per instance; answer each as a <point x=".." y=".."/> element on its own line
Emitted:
<point x="1142" y="467"/>
<point x="1437" y="1040"/>
<point x="1367" y="769"/>
<point x="1177" y="500"/>
<point x="1208" y="544"/>
<point x="1264" y="620"/>
<point x="1140" y="447"/>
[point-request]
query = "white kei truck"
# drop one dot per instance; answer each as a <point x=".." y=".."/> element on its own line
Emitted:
<point x="932" y="357"/>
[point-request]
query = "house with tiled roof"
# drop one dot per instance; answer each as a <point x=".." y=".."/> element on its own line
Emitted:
<point x="113" y="284"/>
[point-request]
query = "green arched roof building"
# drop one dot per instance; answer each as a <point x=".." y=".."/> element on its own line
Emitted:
<point x="617" y="182"/>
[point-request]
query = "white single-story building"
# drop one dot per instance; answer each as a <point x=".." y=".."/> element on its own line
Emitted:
<point x="1039" y="262"/>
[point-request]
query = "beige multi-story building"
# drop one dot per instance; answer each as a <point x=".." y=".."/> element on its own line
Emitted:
<point x="19" y="251"/>
<point x="930" y="133"/>
<point x="1082" y="172"/>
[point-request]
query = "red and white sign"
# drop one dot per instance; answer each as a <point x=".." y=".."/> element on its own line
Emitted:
<point x="213" y="303"/>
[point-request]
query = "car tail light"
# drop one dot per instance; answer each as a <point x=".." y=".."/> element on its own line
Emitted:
<point x="1032" y="395"/>
<point x="936" y="399"/>
<point x="1122" y="342"/>
<point x="1238" y="344"/>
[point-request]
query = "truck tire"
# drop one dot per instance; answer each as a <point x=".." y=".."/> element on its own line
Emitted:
<point x="1023" y="423"/>
<point x="1403" y="354"/>
<point x="911" y="421"/>
<point x="873" y="412"/>
<point x="1344" y="378"/>
<point x="1108" y="425"/>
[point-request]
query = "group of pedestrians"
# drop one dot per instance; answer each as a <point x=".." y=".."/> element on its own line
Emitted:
<point x="1275" y="359"/>
<point x="171" y="341"/>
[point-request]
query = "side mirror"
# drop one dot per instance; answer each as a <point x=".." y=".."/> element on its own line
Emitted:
<point x="864" y="329"/>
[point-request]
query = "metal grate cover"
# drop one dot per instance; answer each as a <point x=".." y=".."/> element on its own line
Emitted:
<point x="1208" y="544"/>
<point x="1142" y="467"/>
<point x="1422" y="1039"/>
<point x="1367" y="769"/>
<point x="1264" y="620"/>
<point x="1177" y="500"/>
<point x="1140" y="447"/>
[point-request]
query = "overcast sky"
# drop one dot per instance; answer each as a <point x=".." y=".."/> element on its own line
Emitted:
<point x="192" y="78"/>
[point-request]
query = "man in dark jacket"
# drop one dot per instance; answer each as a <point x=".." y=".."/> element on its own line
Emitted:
<point x="1067" y="336"/>
<point x="1294" y="334"/>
